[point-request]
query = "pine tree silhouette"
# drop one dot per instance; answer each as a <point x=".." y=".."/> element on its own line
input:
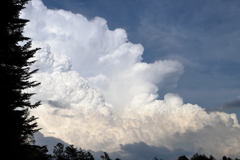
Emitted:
<point x="17" y="127"/>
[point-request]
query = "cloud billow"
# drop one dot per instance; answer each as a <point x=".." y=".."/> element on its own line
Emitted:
<point x="97" y="93"/>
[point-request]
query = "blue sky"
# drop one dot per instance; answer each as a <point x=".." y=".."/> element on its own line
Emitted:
<point x="164" y="74"/>
<point x="203" y="35"/>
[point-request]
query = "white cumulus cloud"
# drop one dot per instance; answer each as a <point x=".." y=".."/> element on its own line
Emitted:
<point x="97" y="93"/>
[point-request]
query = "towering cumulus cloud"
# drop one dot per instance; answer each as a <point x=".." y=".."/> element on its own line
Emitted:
<point x="97" y="93"/>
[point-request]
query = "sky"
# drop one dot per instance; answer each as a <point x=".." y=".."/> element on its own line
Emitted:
<point x="138" y="79"/>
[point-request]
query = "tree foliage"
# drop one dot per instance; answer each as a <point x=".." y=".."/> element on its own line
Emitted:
<point x="17" y="127"/>
<point x="70" y="153"/>
<point x="204" y="157"/>
<point x="183" y="158"/>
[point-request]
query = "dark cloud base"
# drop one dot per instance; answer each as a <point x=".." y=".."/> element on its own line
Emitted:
<point x="140" y="151"/>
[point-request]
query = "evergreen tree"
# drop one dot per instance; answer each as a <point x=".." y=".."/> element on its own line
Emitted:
<point x="35" y="152"/>
<point x="226" y="158"/>
<point x="183" y="158"/>
<point x="17" y="127"/>
<point x="200" y="157"/>
<point x="59" y="152"/>
<point x="70" y="153"/>
<point x="105" y="156"/>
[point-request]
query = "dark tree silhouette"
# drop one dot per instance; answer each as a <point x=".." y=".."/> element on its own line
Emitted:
<point x="70" y="153"/>
<point x="183" y="158"/>
<point x="75" y="154"/>
<point x="201" y="157"/>
<point x="155" y="158"/>
<point x="36" y="152"/>
<point x="211" y="158"/>
<point x="58" y="152"/>
<point x="105" y="156"/>
<point x="226" y="158"/>
<point x="204" y="157"/>
<point x="17" y="127"/>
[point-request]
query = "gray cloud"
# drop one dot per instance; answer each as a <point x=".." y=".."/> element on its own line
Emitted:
<point x="221" y="131"/>
<point x="56" y="104"/>
<point x="142" y="151"/>
<point x="231" y="105"/>
<point x="226" y="106"/>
